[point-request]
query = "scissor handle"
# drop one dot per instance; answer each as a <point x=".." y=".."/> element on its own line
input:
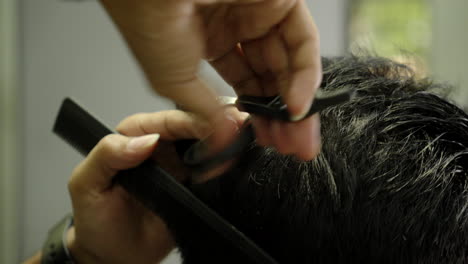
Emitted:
<point x="273" y="107"/>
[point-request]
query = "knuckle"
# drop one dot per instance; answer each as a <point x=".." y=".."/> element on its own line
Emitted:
<point x="140" y="123"/>
<point x="74" y="183"/>
<point x="109" y="144"/>
<point x="113" y="152"/>
<point x="107" y="141"/>
<point x="126" y="124"/>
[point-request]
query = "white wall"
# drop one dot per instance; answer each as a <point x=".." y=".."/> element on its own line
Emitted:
<point x="331" y="18"/>
<point x="9" y="180"/>
<point x="70" y="48"/>
<point x="450" y="45"/>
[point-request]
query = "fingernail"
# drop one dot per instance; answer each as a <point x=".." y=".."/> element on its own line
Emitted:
<point x="300" y="96"/>
<point x="226" y="124"/>
<point x="223" y="133"/>
<point x="229" y="116"/>
<point x="143" y="142"/>
<point x="243" y="115"/>
<point x="302" y="113"/>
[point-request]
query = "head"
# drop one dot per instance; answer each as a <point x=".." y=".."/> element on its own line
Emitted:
<point x="390" y="185"/>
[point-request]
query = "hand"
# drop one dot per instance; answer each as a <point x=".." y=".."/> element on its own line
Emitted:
<point x="260" y="47"/>
<point x="110" y="226"/>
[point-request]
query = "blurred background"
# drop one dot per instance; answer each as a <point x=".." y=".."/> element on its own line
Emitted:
<point x="50" y="49"/>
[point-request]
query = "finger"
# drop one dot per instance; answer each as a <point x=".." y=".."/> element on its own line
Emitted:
<point x="238" y="116"/>
<point x="275" y="57"/>
<point x="111" y="154"/>
<point x="258" y="67"/>
<point x="234" y="69"/>
<point x="226" y="1"/>
<point x="194" y="96"/>
<point x="300" y="138"/>
<point x="254" y="57"/>
<point x="302" y="41"/>
<point x="262" y="128"/>
<point x="255" y="20"/>
<point x="268" y="58"/>
<point x="281" y="138"/>
<point x="153" y="31"/>
<point x="171" y="125"/>
<point x="305" y="136"/>
<point x="239" y="23"/>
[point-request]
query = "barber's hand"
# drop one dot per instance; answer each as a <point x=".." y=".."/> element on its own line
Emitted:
<point x="260" y="47"/>
<point x="109" y="225"/>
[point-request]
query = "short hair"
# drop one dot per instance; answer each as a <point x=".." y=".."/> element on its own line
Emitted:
<point x="389" y="186"/>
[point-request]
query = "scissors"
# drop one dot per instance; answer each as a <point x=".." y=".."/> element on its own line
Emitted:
<point x="272" y="107"/>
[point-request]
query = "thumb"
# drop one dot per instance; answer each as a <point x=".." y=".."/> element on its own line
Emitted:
<point x="113" y="153"/>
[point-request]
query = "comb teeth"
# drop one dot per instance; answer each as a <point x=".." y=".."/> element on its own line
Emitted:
<point x="78" y="127"/>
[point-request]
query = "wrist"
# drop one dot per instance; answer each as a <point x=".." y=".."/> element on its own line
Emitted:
<point x="54" y="249"/>
<point x="79" y="254"/>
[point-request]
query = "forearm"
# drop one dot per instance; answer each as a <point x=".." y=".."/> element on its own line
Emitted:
<point x="36" y="259"/>
<point x="79" y="256"/>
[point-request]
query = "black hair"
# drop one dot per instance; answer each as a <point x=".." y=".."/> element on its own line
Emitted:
<point x="390" y="185"/>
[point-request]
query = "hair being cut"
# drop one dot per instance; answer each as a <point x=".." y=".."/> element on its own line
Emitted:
<point x="390" y="185"/>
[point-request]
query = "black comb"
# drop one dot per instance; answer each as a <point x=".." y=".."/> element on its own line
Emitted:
<point x="149" y="183"/>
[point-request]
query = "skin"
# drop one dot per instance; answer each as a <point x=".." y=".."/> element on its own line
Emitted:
<point x="260" y="47"/>
<point x="110" y="226"/>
